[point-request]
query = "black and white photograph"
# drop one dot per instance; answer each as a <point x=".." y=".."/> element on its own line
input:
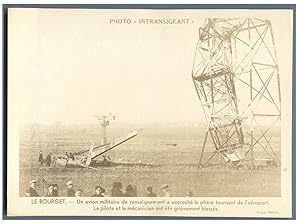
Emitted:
<point x="170" y="112"/>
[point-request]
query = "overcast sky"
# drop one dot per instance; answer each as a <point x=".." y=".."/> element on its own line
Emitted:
<point x="68" y="65"/>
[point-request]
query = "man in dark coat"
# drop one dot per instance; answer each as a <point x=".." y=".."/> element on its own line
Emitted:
<point x="150" y="192"/>
<point x="117" y="190"/>
<point x="41" y="158"/>
<point x="72" y="157"/>
<point x="129" y="191"/>
<point x="70" y="190"/>
<point x="48" y="160"/>
<point x="31" y="192"/>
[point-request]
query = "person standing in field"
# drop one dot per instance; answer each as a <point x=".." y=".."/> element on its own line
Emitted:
<point x="150" y="192"/>
<point x="166" y="190"/>
<point x="70" y="190"/>
<point x="72" y="157"/>
<point x="41" y="158"/>
<point x="48" y="160"/>
<point x="31" y="192"/>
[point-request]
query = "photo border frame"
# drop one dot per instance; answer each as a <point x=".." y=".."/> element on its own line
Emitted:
<point x="5" y="8"/>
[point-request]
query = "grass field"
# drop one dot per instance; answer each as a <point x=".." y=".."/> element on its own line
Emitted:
<point x="173" y="165"/>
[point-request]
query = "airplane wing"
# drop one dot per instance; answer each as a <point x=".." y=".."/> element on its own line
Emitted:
<point x="87" y="150"/>
<point x="113" y="144"/>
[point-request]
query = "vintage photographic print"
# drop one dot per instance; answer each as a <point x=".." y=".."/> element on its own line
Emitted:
<point x="118" y="112"/>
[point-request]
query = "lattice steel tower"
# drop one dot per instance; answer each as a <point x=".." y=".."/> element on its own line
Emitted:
<point x="236" y="76"/>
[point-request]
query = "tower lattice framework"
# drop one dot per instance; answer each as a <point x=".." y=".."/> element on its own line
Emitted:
<point x="236" y="77"/>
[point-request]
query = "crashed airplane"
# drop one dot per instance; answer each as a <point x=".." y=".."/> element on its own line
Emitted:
<point x="90" y="158"/>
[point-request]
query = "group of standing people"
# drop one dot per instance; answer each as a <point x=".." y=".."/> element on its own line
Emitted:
<point x="100" y="191"/>
<point x="116" y="191"/>
<point x="46" y="160"/>
<point x="52" y="190"/>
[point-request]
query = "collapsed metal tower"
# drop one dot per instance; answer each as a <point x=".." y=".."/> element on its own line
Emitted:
<point x="236" y="76"/>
